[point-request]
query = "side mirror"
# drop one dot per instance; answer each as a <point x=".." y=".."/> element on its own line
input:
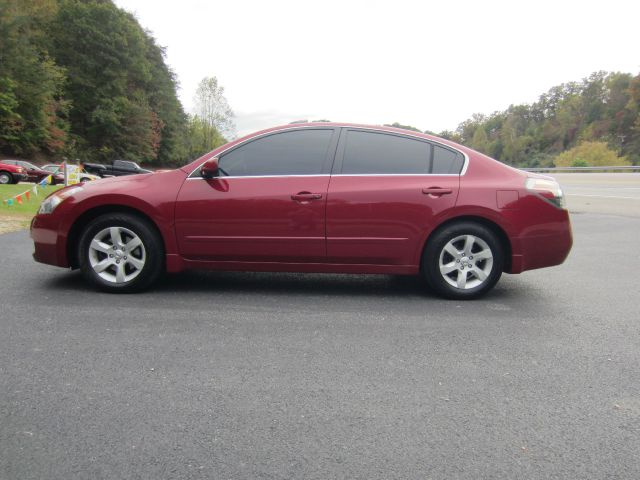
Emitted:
<point x="210" y="168"/>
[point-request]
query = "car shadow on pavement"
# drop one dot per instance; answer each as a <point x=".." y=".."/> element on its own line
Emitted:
<point x="313" y="284"/>
<point x="285" y="284"/>
<point x="294" y="283"/>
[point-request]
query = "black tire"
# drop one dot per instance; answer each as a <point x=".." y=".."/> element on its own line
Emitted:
<point x="436" y="247"/>
<point x="6" y="178"/>
<point x="152" y="246"/>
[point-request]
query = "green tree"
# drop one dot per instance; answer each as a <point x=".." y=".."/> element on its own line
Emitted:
<point x="631" y="135"/>
<point x="32" y="109"/>
<point x="404" y="127"/>
<point x="480" y="141"/>
<point x="592" y="154"/>
<point x="124" y="101"/>
<point x="603" y="107"/>
<point x="213" y="109"/>
<point x="200" y="138"/>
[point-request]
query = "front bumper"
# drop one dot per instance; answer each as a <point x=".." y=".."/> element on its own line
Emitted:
<point x="49" y="245"/>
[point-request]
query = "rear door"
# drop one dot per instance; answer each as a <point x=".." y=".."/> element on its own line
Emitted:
<point x="386" y="191"/>
<point x="267" y="205"/>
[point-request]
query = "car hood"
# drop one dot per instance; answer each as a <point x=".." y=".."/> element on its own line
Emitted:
<point x="124" y="178"/>
<point x="129" y="182"/>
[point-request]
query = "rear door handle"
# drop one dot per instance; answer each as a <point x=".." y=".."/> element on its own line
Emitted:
<point x="437" y="191"/>
<point x="306" y="196"/>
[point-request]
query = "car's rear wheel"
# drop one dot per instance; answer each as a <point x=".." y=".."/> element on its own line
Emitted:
<point x="120" y="252"/>
<point x="5" y="178"/>
<point x="463" y="260"/>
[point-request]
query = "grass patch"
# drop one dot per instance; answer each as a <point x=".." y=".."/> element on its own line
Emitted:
<point x="29" y="207"/>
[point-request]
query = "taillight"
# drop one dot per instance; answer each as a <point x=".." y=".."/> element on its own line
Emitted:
<point x="548" y="189"/>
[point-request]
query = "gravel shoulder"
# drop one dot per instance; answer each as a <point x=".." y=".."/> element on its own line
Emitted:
<point x="13" y="223"/>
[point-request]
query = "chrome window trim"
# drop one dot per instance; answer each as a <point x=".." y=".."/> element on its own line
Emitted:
<point x="336" y="175"/>
<point x="193" y="175"/>
<point x="261" y="176"/>
<point x="396" y="175"/>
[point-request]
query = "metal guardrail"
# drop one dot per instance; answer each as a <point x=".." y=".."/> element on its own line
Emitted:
<point x="623" y="168"/>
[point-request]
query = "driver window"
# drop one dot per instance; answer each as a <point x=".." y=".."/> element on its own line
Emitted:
<point x="298" y="152"/>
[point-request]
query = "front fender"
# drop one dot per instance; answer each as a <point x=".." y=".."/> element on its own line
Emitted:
<point x="153" y="196"/>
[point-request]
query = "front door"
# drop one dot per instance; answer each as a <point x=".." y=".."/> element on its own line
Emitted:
<point x="267" y="205"/>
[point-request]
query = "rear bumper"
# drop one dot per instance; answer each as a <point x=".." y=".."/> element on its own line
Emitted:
<point x="542" y="250"/>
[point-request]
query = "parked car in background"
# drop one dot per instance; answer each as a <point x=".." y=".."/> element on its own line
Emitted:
<point x="319" y="197"/>
<point x="88" y="177"/>
<point x="56" y="170"/>
<point x="57" y="177"/>
<point x="11" y="173"/>
<point x="116" y="169"/>
<point x="33" y="173"/>
<point x="51" y="167"/>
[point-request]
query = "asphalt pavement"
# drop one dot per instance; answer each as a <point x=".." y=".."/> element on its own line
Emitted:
<point x="286" y="376"/>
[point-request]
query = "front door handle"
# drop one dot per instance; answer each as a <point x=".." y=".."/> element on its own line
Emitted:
<point x="306" y="196"/>
<point x="437" y="191"/>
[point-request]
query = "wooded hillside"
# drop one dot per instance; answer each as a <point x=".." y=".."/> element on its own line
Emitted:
<point x="83" y="79"/>
<point x="601" y="109"/>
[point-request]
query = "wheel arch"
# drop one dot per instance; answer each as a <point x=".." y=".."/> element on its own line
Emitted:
<point x="75" y="232"/>
<point x="488" y="223"/>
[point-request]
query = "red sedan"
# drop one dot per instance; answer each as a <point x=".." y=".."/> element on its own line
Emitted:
<point x="319" y="197"/>
<point x="11" y="173"/>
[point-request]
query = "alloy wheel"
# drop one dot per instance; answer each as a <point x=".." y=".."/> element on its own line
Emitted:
<point x="117" y="255"/>
<point x="465" y="262"/>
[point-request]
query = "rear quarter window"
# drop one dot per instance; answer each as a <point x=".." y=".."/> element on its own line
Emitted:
<point x="446" y="161"/>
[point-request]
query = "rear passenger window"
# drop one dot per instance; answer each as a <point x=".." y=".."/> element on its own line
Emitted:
<point x="380" y="153"/>
<point x="446" y="161"/>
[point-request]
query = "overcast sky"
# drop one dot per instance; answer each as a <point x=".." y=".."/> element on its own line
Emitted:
<point x="427" y="64"/>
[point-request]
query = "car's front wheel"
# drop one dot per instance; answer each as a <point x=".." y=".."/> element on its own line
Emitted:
<point x="463" y="260"/>
<point x="120" y="252"/>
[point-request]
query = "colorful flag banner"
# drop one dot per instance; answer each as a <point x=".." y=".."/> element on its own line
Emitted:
<point x="45" y="181"/>
<point x="27" y="193"/>
<point x="18" y="198"/>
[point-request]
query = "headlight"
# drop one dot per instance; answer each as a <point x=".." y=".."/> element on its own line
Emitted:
<point x="51" y="202"/>
<point x="548" y="189"/>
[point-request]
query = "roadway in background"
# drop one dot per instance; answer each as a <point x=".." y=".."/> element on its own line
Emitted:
<point x="609" y="193"/>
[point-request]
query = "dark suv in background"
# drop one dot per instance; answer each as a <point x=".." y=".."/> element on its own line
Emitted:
<point x="116" y="169"/>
